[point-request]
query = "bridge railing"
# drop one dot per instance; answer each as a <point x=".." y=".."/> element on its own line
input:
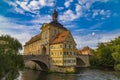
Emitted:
<point x="36" y="55"/>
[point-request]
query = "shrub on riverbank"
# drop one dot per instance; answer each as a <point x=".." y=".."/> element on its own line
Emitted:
<point x="117" y="67"/>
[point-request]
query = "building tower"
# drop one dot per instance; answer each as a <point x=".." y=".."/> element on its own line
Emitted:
<point x="54" y="14"/>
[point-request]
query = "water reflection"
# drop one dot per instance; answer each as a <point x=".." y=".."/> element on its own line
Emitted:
<point x="37" y="75"/>
<point x="86" y="74"/>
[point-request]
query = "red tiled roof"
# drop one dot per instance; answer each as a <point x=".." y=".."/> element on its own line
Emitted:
<point x="83" y="50"/>
<point x="60" y="37"/>
<point x="33" y="39"/>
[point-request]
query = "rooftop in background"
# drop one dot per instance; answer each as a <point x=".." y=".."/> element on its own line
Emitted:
<point x="85" y="51"/>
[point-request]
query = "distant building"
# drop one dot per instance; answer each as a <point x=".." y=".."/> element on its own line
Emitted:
<point x="54" y="40"/>
<point x="85" y="51"/>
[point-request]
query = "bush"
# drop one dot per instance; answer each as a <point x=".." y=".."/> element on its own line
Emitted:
<point x="117" y="67"/>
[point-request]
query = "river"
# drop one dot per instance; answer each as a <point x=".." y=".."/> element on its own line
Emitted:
<point x="84" y="74"/>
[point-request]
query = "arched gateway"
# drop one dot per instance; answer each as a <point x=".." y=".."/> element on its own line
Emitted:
<point x="44" y="51"/>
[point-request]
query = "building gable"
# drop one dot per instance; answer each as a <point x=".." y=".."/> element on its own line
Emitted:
<point x="70" y="39"/>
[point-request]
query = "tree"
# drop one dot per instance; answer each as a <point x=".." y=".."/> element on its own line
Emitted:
<point x="116" y="53"/>
<point x="10" y="60"/>
<point x="9" y="44"/>
<point x="108" y="54"/>
<point x="103" y="56"/>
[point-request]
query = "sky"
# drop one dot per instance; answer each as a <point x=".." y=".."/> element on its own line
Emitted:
<point x="90" y="21"/>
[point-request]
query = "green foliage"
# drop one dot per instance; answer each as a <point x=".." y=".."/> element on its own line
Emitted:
<point x="107" y="54"/>
<point x="9" y="44"/>
<point x="117" y="67"/>
<point x="116" y="57"/>
<point x="10" y="60"/>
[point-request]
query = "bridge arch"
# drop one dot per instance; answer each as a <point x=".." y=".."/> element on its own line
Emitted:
<point x="42" y="65"/>
<point x="83" y="61"/>
<point x="80" y="62"/>
<point x="42" y="61"/>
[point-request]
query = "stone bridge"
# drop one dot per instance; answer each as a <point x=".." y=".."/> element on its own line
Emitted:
<point x="44" y="61"/>
<point x="82" y="60"/>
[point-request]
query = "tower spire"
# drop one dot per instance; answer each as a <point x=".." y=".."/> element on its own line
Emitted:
<point x="54" y="5"/>
<point x="55" y="13"/>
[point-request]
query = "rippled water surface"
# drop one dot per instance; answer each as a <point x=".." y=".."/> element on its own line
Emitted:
<point x="85" y="74"/>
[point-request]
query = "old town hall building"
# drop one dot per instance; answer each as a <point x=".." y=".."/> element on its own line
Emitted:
<point x="54" y="40"/>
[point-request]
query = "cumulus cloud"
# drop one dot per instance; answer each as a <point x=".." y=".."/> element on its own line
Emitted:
<point x="21" y="32"/>
<point x="86" y="5"/>
<point x="101" y="12"/>
<point x="60" y="8"/>
<point x="93" y="40"/>
<point x="67" y="3"/>
<point x="81" y="6"/>
<point x="80" y="10"/>
<point x="32" y="6"/>
<point x="69" y="15"/>
<point x="41" y="19"/>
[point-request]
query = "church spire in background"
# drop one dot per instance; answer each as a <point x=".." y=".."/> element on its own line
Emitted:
<point x="55" y="13"/>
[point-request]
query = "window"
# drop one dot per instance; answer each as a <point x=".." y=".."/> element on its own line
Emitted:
<point x="60" y="46"/>
<point x="51" y="53"/>
<point x="65" y="46"/>
<point x="64" y="53"/>
<point x="65" y="61"/>
<point x="69" y="46"/>
<point x="67" y="53"/>
<point x="74" y="53"/>
<point x="60" y="53"/>
<point x="69" y="61"/>
<point x="74" y="60"/>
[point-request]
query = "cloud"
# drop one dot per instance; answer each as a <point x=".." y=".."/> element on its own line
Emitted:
<point x="102" y="13"/>
<point x="86" y="8"/>
<point x="60" y="8"/>
<point x="67" y="3"/>
<point x="82" y="8"/>
<point x="69" y="15"/>
<point x="21" y="32"/>
<point x="40" y="19"/>
<point x="32" y="6"/>
<point x="93" y="40"/>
